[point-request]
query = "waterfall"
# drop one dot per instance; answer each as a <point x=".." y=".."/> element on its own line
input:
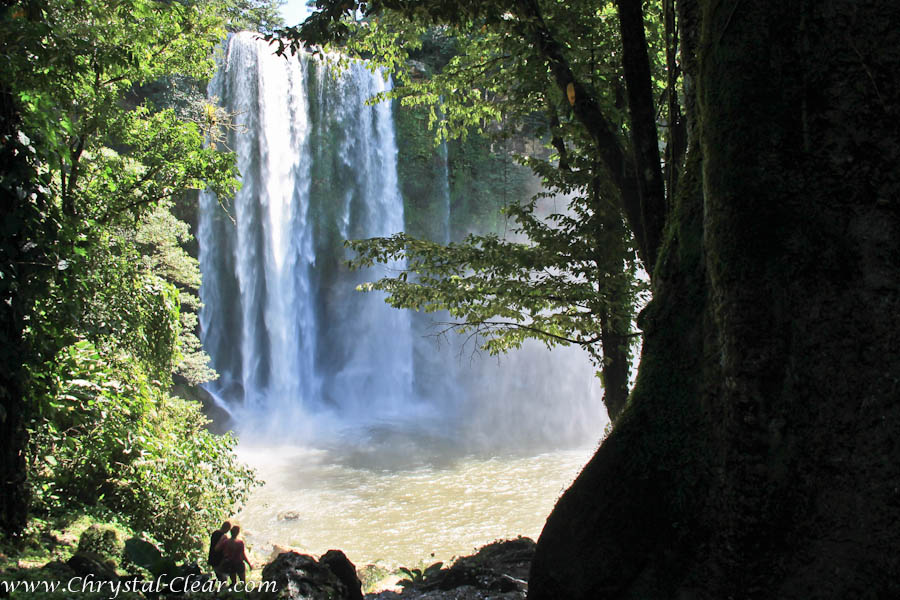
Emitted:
<point x="285" y="330"/>
<point x="445" y="192"/>
<point x="300" y="354"/>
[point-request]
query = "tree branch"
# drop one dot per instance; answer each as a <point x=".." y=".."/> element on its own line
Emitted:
<point x="645" y="140"/>
<point x="587" y="110"/>
<point x="69" y="188"/>
<point x="487" y="325"/>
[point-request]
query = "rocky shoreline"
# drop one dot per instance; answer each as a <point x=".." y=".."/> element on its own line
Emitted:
<point x="496" y="571"/>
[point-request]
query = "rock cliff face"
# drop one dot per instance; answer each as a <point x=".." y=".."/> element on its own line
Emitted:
<point x="758" y="455"/>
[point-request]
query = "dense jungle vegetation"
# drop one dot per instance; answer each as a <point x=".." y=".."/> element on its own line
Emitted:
<point x="742" y="155"/>
<point x="104" y="120"/>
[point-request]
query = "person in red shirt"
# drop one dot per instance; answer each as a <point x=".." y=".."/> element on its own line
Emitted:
<point x="234" y="555"/>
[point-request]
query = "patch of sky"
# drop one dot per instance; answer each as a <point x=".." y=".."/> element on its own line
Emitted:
<point x="294" y="11"/>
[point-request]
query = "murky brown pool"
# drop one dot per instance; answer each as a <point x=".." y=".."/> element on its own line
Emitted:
<point x="376" y="511"/>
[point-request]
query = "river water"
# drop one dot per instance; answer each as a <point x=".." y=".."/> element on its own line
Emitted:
<point x="399" y="516"/>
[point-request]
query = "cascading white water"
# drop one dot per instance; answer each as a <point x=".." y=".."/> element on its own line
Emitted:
<point x="302" y="355"/>
<point x="445" y="192"/>
<point x="270" y="315"/>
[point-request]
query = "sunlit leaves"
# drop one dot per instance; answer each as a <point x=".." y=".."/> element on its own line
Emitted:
<point x="551" y="288"/>
<point x="109" y="163"/>
<point x="109" y="296"/>
<point x="105" y="432"/>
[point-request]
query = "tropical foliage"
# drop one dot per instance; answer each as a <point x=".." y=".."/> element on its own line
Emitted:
<point x="102" y="109"/>
<point x="106" y="434"/>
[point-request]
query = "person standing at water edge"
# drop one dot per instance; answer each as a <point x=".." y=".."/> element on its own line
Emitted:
<point x="234" y="556"/>
<point x="215" y="554"/>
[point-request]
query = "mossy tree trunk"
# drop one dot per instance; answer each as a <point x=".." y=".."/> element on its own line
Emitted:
<point x="758" y="455"/>
<point x="616" y="366"/>
<point x="13" y="436"/>
<point x="15" y="185"/>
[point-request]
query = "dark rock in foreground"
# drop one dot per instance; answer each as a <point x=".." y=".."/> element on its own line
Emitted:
<point x="341" y="566"/>
<point x="497" y="571"/>
<point x="301" y="577"/>
<point x="91" y="564"/>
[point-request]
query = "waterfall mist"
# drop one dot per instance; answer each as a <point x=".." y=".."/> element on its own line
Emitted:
<point x="304" y="358"/>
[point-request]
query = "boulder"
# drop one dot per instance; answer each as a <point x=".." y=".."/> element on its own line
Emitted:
<point x="301" y="577"/>
<point x="278" y="549"/>
<point x="345" y="570"/>
<point x="498" y="571"/>
<point x="465" y="592"/>
<point x="103" y="540"/>
<point x="501" y="567"/>
<point x="508" y="557"/>
<point x="91" y="563"/>
<point x="58" y="571"/>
